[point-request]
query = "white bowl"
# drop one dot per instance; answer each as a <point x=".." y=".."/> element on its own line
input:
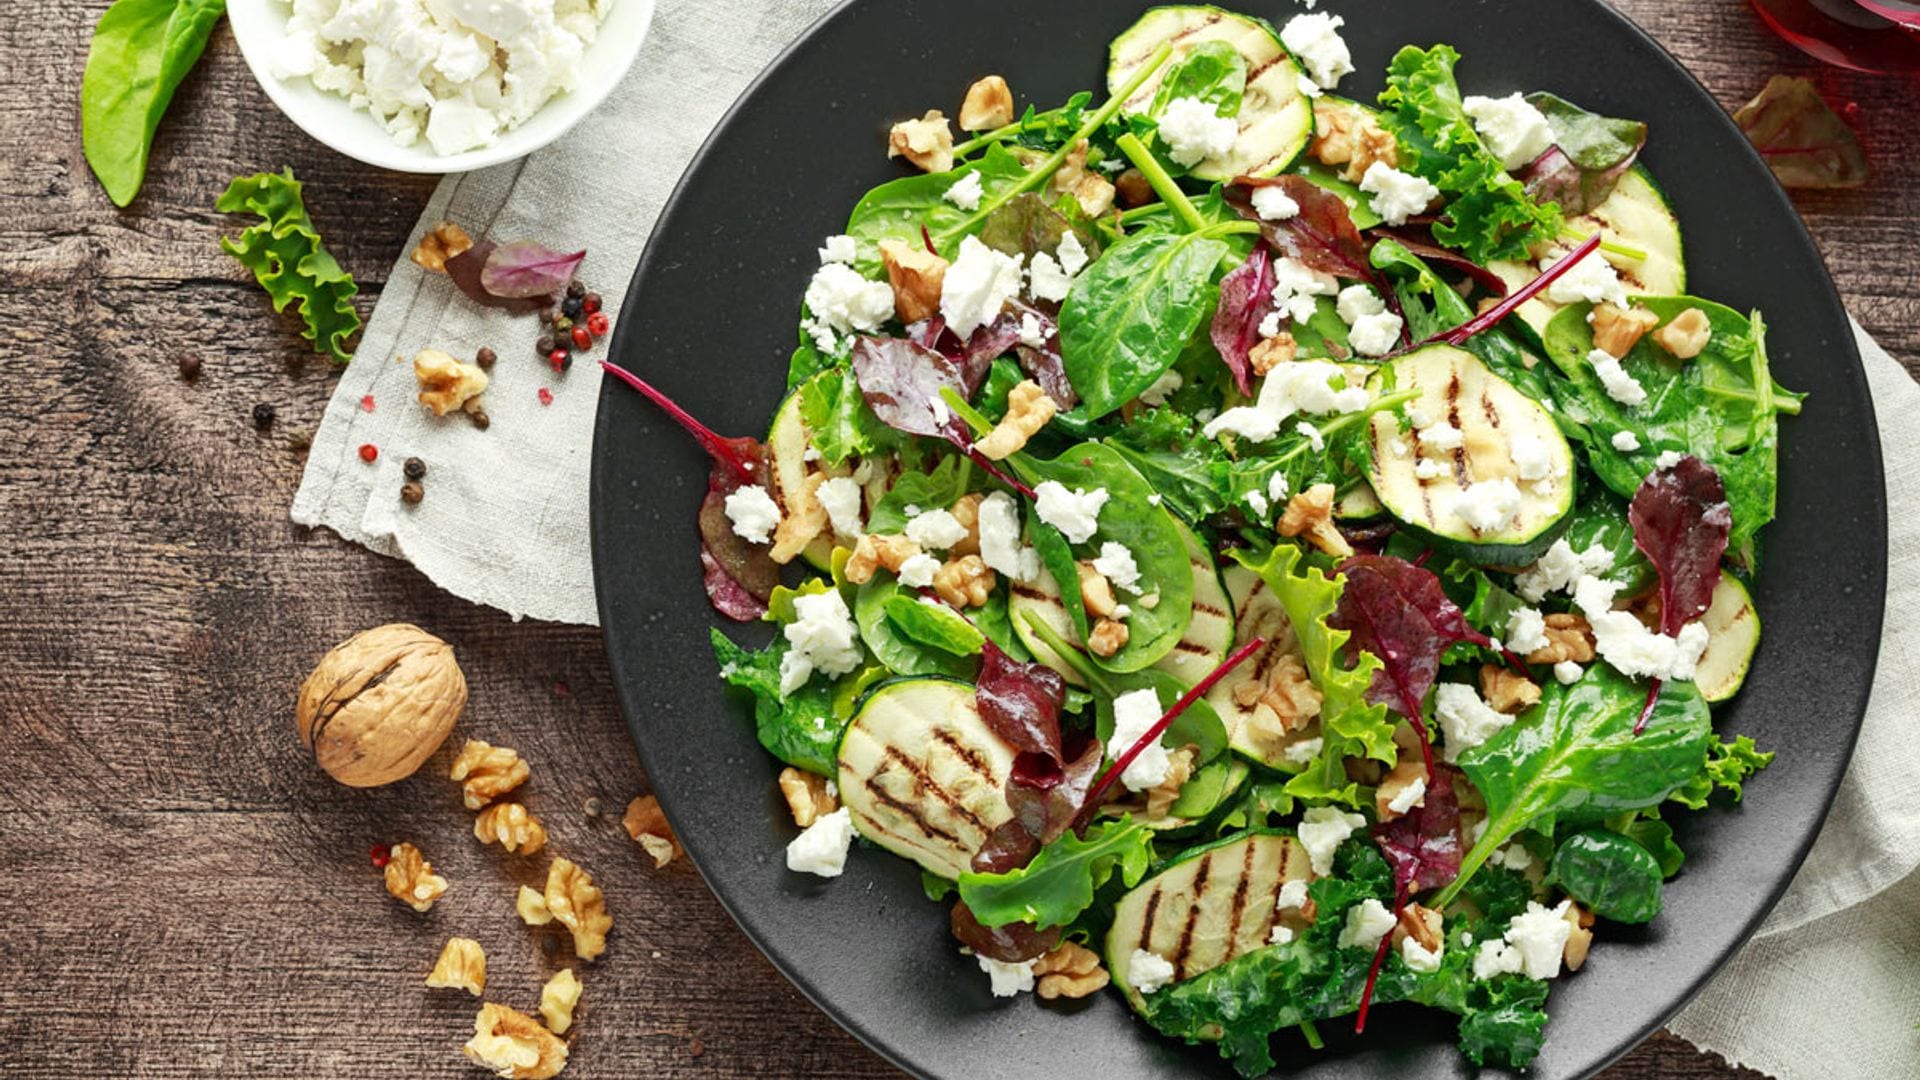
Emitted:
<point x="259" y="24"/>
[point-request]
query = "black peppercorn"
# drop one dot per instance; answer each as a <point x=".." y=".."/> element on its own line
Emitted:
<point x="485" y="358"/>
<point x="263" y="416"/>
<point x="576" y="289"/>
<point x="411" y="493"/>
<point x="570" y="307"/>
<point x="548" y="314"/>
<point x="189" y="366"/>
<point x="593" y="807"/>
<point x="544" y="344"/>
<point x="414" y="468"/>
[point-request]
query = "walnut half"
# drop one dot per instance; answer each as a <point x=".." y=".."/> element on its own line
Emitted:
<point x="510" y="826"/>
<point x="557" y="1000"/>
<point x="462" y="966"/>
<point x="580" y="906"/>
<point x="442" y="242"/>
<point x="807" y="796"/>
<point x="446" y="384"/>
<point x="1069" y="971"/>
<point x="1310" y="514"/>
<point x="989" y="105"/>
<point x="410" y="878"/>
<point x="514" y="1045"/>
<point x="927" y="142"/>
<point x="647" y="824"/>
<point x="487" y="772"/>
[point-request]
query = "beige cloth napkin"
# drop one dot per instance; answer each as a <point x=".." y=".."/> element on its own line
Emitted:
<point x="1826" y="990"/>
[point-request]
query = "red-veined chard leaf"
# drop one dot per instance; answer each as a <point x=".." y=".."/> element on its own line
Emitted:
<point x="524" y="269"/>
<point x="1803" y="140"/>
<point x="1681" y="522"/>
<point x="1589" y="155"/>
<point x="1423" y="845"/>
<point x="1246" y="299"/>
<point x="1419" y="240"/>
<point x="1046" y="813"/>
<point x="902" y="380"/>
<point x="1009" y="943"/>
<point x="465" y="269"/>
<point x="1021" y="703"/>
<point x="1322" y="235"/>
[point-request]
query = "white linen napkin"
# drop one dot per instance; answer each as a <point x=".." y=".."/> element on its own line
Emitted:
<point x="1825" y="990"/>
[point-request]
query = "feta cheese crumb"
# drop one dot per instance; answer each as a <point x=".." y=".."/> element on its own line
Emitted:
<point x="1539" y="935"/>
<point x="936" y="530"/>
<point x="1147" y="972"/>
<point x="1193" y="131"/>
<point x="1312" y="435"/>
<point x="1000" y="539"/>
<point x="1495" y="958"/>
<point x="1032" y="333"/>
<point x="1397" y="195"/>
<point x="1274" y="204"/>
<point x="1532" y="457"/>
<point x="1257" y="502"/>
<point x="978" y="284"/>
<point x="1315" y="41"/>
<point x="1440" y="436"/>
<point x="1514" y="856"/>
<point x="1358" y="301"/>
<point x="1295" y="285"/>
<point x="844" y="302"/>
<point x="918" y="570"/>
<point x="1277" y="487"/>
<point x="1075" y="513"/>
<point x="1428" y="469"/>
<point x="823" y="637"/>
<point x="1626" y="441"/>
<point x="1307" y="87"/>
<point x="1418" y="958"/>
<point x="840" y="498"/>
<point x="839" y="249"/>
<point x="1488" y="505"/>
<point x="1156" y="395"/>
<point x="1568" y="672"/>
<point x="1466" y="720"/>
<point x="1322" y="830"/>
<point x="1376" y="334"/>
<point x="1007" y="980"/>
<point x="1624" y="642"/>
<point x="1367" y="922"/>
<point x="1304" y="751"/>
<point x="822" y="848"/>
<point x="1512" y="128"/>
<point x="1280" y="935"/>
<point x="1414" y="794"/>
<point x="1046" y="279"/>
<point x="1621" y="386"/>
<point x="1116" y="563"/>
<point x="1072" y="254"/>
<point x="1134" y="713"/>
<point x="1526" y="631"/>
<point x="1560" y="568"/>
<point x="965" y="192"/>
<point x="1304" y="386"/>
<point x="1667" y="460"/>
<point x="754" y="513"/>
<point x="1293" y="896"/>
<point x="1592" y="279"/>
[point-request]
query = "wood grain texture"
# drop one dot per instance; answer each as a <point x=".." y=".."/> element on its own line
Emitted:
<point x="190" y="896"/>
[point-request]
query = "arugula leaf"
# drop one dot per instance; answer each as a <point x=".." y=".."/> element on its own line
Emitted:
<point x="141" y="50"/>
<point x="1129" y="316"/>
<point x="1611" y="874"/>
<point x="1488" y="215"/>
<point x="802" y="728"/>
<point x="289" y="260"/>
<point x="1730" y="764"/>
<point x="1059" y="883"/>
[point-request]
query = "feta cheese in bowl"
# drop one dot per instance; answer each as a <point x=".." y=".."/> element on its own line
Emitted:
<point x="438" y="85"/>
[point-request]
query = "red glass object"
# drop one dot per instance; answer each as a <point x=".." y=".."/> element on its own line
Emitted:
<point x="1866" y="35"/>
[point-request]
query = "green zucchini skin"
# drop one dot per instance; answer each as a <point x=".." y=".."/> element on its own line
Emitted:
<point x="1733" y="633"/>
<point x="1209" y="634"/>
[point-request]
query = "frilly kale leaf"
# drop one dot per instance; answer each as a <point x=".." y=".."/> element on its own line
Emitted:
<point x="289" y="260"/>
<point x="1729" y="765"/>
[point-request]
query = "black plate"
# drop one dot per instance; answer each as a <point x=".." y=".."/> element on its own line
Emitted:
<point x="710" y="319"/>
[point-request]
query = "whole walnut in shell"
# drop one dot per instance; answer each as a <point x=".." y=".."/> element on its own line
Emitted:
<point x="380" y="704"/>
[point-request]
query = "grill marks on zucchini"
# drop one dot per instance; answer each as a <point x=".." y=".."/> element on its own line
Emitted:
<point x="1042" y="598"/>
<point x="1209" y="633"/>
<point x="1636" y="216"/>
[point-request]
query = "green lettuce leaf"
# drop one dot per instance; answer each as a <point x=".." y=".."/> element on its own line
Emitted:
<point x="802" y="729"/>
<point x="1059" y="883"/>
<point x="289" y="260"/>
<point x="1730" y="764"/>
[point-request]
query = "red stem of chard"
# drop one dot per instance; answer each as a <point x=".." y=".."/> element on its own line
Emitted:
<point x="1160" y="728"/>
<point x="998" y="473"/>
<point x="1379" y="959"/>
<point x="1459" y="335"/>
<point x="715" y="446"/>
<point x="1646" y="711"/>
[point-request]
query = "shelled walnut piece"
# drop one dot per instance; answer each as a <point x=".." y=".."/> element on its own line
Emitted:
<point x="486" y="772"/>
<point x="989" y="105"/>
<point x="531" y="905"/>
<point x="557" y="1000"/>
<point x="805" y="518"/>
<point x="807" y="796"/>
<point x="380" y="703"/>
<point x="1279" y="349"/>
<point x="1506" y="690"/>
<point x="442" y="242"/>
<point x="1580" y="939"/>
<point x="410" y="878"/>
<point x="965" y="582"/>
<point x="1687" y="335"/>
<point x="647" y="824"/>
<point x="917" y="277"/>
<point x="462" y="966"/>
<point x="1108" y="637"/>
<point x="512" y="827"/>
<point x="1569" y="637"/>
<point x="1310" y="514"/>
<point x="514" y="1045"/>
<point x="1029" y="409"/>
<point x="875" y="552"/>
<point x="580" y="906"/>
<point x="927" y="142"/>
<point x="446" y="384"/>
<point x="1349" y="136"/>
<point x="1069" y="971"/>
<point x="1616" y="330"/>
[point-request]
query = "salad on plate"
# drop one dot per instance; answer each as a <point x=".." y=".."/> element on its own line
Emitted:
<point x="1268" y="553"/>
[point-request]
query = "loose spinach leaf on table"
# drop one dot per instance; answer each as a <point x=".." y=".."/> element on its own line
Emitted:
<point x="141" y="51"/>
<point x="1059" y="883"/>
<point x="801" y="728"/>
<point x="1129" y="316"/>
<point x="289" y="260"/>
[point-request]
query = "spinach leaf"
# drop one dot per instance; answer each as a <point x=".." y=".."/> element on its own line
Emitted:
<point x="289" y="260"/>
<point x="934" y="625"/>
<point x="901" y="654"/>
<point x="1059" y="883"/>
<point x="1600" y="517"/>
<point x="1722" y="407"/>
<point x="1129" y="316"/>
<point x="938" y="489"/>
<point x="1211" y="71"/>
<point x="1187" y="469"/>
<point x="802" y="728"/>
<point x="1729" y="765"/>
<point x="900" y="209"/>
<point x="1612" y="875"/>
<point x="141" y="51"/>
<point x="1646" y="829"/>
<point x="994" y="621"/>
<point x="1575" y="758"/>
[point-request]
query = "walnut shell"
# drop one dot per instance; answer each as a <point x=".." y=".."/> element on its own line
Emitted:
<point x="380" y="704"/>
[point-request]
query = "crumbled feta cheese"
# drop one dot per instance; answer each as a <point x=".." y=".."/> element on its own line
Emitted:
<point x="1033" y="334"/>
<point x="1418" y="958"/>
<point x="1539" y="935"/>
<point x="1072" y="254"/>
<point x="1277" y="487"/>
<point x="1274" y="204"/>
<point x="1116" y="563"/>
<point x="823" y="637"/>
<point x="1626" y="441"/>
<point x="839" y="249"/>
<point x="1156" y="395"/>
<point x="1304" y="386"/>
<point x="1270" y="324"/>
<point x="753" y="512"/>
<point x="1257" y="502"/>
<point x="965" y="192"/>
<point x="844" y="302"/>
<point x="1280" y="935"/>
<point x="1621" y="386"/>
<point x="1000" y="546"/>
<point x="1305" y="750"/>
<point x="936" y="530"/>
<point x="1007" y="980"/>
<point x="1414" y="794"/>
<point x="1312" y="435"/>
<point x="1513" y="129"/>
<point x="1496" y="958"/>
<point x="1417" y="416"/>
<point x="1147" y="972"/>
<point x="1466" y="720"/>
<point x="1367" y="922"/>
<point x="1488" y="505"/>
<point x="1134" y="713"/>
<point x="918" y="570"/>
<point x="1514" y="857"/>
<point x="1357" y="301"/>
<point x="1560" y="568"/>
<point x="822" y="848"/>
<point x="1440" y="436"/>
<point x="840" y="498"/>
<point x="1568" y="672"/>
<point x="1322" y="830"/>
<point x="1193" y="131"/>
<point x="1526" y="630"/>
<point x="1667" y="459"/>
<point x="1046" y="280"/>
<point x="1625" y="642"/>
<point x="1074" y="512"/>
<point x="1293" y="896"/>
<point x="1315" y="41"/>
<point x="1153" y="499"/>
<point x="1397" y="195"/>
<point x="1592" y="279"/>
<point x="1307" y="87"/>
<point x="1428" y="469"/>
<point x="1121" y="611"/>
<point x="1295" y="285"/>
<point x="1376" y="334"/>
<point x="978" y="284"/>
<point x="1532" y="457"/>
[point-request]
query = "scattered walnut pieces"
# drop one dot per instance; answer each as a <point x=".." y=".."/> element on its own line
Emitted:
<point x="874" y="552"/>
<point x="1344" y="135"/>
<point x="1096" y="592"/>
<point x="1069" y="971"/>
<point x="512" y="827"/>
<point x="1310" y="514"/>
<point x="965" y="582"/>
<point x="410" y="878"/>
<point x="1028" y="410"/>
<point x="487" y="772"/>
<point x="804" y="519"/>
<point x="1580" y="940"/>
<point x="446" y="384"/>
<point x="1160" y="797"/>
<point x="647" y="824"/>
<point x="927" y="142"/>
<point x="1282" y="706"/>
<point x="1274" y="351"/>
<point x="1569" y="637"/>
<point x="966" y="511"/>
<point x="462" y="966"/>
<point x="580" y="906"/>
<point x="807" y="796"/>
<point x="1094" y="193"/>
<point x="989" y="105"/>
<point x="377" y="707"/>
<point x="531" y="906"/>
<point x="1422" y="924"/>
<point x="514" y="1045"/>
<point x="917" y="276"/>
<point x="557" y="1000"/>
<point x="1409" y="771"/>
<point x="1617" y="330"/>
<point x="442" y="242"/>
<point x="1109" y="636"/>
<point x="1507" y="690"/>
<point x="1687" y="335"/>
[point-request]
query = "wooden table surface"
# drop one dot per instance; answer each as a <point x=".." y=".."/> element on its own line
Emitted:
<point x="187" y="894"/>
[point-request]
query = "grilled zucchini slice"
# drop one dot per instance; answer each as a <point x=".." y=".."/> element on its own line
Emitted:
<point x="1637" y="216"/>
<point x="1733" y="633"/>
<point x="1209" y="634"/>
<point x="1257" y="613"/>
